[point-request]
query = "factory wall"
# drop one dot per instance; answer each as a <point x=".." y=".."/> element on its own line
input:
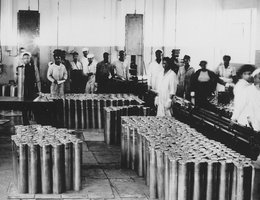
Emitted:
<point x="192" y="26"/>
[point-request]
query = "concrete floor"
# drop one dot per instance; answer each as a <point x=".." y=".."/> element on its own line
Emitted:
<point x="102" y="176"/>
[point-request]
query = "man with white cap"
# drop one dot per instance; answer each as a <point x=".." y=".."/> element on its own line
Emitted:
<point x="84" y="59"/>
<point x="90" y="71"/>
<point x="253" y="101"/>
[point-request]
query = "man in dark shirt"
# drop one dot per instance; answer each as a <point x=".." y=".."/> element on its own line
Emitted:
<point x="67" y="64"/>
<point x="105" y="72"/>
<point x="175" y="65"/>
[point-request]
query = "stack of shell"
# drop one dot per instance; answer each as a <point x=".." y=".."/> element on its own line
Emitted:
<point x="180" y="163"/>
<point x="46" y="159"/>
<point x="8" y="90"/>
<point x="112" y="123"/>
<point x="85" y="111"/>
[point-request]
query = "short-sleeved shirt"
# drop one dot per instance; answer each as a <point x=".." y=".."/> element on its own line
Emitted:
<point x="228" y="72"/>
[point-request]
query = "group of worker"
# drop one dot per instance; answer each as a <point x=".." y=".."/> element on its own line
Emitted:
<point x="85" y="75"/>
<point x="170" y="77"/>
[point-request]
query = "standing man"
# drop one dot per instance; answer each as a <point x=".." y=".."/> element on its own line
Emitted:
<point x="175" y="64"/>
<point x="184" y="78"/>
<point x="84" y="62"/>
<point x="90" y="72"/>
<point x="167" y="86"/>
<point x="226" y="72"/>
<point x="77" y="74"/>
<point x="29" y="83"/>
<point x="122" y="66"/>
<point x="154" y="70"/>
<point x="68" y="67"/>
<point x="104" y="74"/>
<point x="18" y="61"/>
<point x="57" y="75"/>
<point x="84" y="59"/>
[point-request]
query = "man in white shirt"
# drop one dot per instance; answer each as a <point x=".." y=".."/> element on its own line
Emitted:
<point x="253" y="101"/>
<point x="84" y="59"/>
<point x="121" y="66"/>
<point x="240" y="112"/>
<point x="57" y="75"/>
<point x="154" y="70"/>
<point x="76" y="64"/>
<point x="167" y="86"/>
<point x="226" y="72"/>
<point x="90" y="73"/>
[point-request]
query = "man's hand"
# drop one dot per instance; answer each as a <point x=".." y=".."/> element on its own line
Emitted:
<point x="55" y="81"/>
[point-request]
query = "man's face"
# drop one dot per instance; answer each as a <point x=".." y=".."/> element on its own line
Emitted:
<point x="257" y="80"/>
<point x="246" y="76"/>
<point x="186" y="61"/>
<point x="26" y="59"/>
<point x="158" y="55"/>
<point x="165" y="65"/>
<point x="226" y="61"/>
<point x="122" y="54"/>
<point x="85" y="53"/>
<point x="75" y="57"/>
<point x="57" y="60"/>
<point x="90" y="60"/>
<point x="203" y="65"/>
<point x="105" y="57"/>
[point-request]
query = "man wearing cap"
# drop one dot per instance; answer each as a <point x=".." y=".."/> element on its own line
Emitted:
<point x="105" y="72"/>
<point x="57" y="75"/>
<point x="240" y="112"/>
<point x="84" y="59"/>
<point x="90" y="71"/>
<point x="184" y="78"/>
<point x="154" y="70"/>
<point x="121" y="66"/>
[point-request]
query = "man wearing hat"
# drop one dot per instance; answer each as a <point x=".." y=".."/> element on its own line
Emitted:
<point x="184" y="78"/>
<point x="57" y="74"/>
<point x="105" y="72"/>
<point x="84" y="59"/>
<point x="90" y="71"/>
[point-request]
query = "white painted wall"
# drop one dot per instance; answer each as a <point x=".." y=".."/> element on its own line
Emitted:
<point x="194" y="26"/>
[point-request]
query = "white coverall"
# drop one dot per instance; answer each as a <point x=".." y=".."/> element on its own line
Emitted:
<point x="240" y="112"/>
<point x="90" y="85"/>
<point x="167" y="86"/>
<point x="58" y="73"/>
